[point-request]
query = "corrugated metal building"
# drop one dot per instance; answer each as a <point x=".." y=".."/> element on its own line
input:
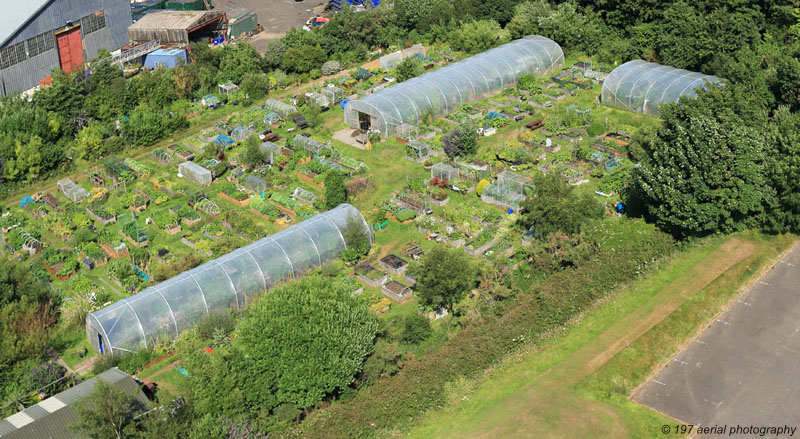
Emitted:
<point x="51" y="418"/>
<point x="176" y="27"/>
<point x="37" y="36"/>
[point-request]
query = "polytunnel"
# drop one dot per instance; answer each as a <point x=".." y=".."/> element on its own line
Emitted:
<point x="161" y="312"/>
<point x="444" y="90"/>
<point x="642" y="86"/>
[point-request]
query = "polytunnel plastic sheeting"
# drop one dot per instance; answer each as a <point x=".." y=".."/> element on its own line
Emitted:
<point x="161" y="312"/>
<point x="444" y="90"/>
<point x="642" y="86"/>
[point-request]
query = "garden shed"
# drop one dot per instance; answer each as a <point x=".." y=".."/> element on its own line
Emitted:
<point x="309" y="144"/>
<point x="514" y="182"/>
<point x="255" y="183"/>
<point x="443" y="171"/>
<point x="446" y="89"/>
<point x="195" y="173"/>
<point x="641" y="86"/>
<point x="279" y="107"/>
<point x="496" y="195"/>
<point x="71" y="190"/>
<point x="169" y="58"/>
<point x="161" y="312"/>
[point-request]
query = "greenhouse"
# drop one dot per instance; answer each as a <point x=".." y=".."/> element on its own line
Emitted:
<point x="304" y="196"/>
<point x="255" y="184"/>
<point x="161" y="312"/>
<point x="195" y="173"/>
<point x="446" y="89"/>
<point x="309" y="144"/>
<point x="514" y="182"/>
<point x="333" y="93"/>
<point x="474" y="171"/>
<point x="279" y="107"/>
<point x="71" y="190"/>
<point x="271" y="117"/>
<point x="443" y="171"/>
<point x="320" y="99"/>
<point x="417" y="151"/>
<point x="642" y="86"/>
<point x="270" y="151"/>
<point x="493" y="194"/>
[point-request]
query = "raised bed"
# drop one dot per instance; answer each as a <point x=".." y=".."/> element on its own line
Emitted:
<point x="136" y="244"/>
<point x="369" y="275"/>
<point x="113" y="254"/>
<point x="396" y="291"/>
<point x="480" y="250"/>
<point x="393" y="264"/>
<point x="99" y="219"/>
<point x="310" y="179"/>
<point x="242" y="203"/>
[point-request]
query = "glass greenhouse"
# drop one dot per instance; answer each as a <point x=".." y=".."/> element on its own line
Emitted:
<point x="446" y="89"/>
<point x="161" y="312"/>
<point x="642" y="86"/>
<point x="270" y="151"/>
<point x="71" y="190"/>
<point x="493" y="194"/>
<point x="514" y="182"/>
<point x="279" y="107"/>
<point x="443" y="171"/>
<point x="195" y="173"/>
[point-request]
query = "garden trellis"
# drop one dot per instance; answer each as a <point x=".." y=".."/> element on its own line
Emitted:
<point x="445" y="90"/>
<point x="163" y="311"/>
<point x="279" y="107"/>
<point x="195" y="173"/>
<point x="642" y="86"/>
<point x="162" y="157"/>
<point x="71" y="190"/>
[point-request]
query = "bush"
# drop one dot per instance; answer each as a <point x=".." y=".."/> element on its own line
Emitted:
<point x="105" y="362"/>
<point x="315" y="74"/>
<point x="331" y="68"/>
<point x="134" y="362"/>
<point x="216" y="321"/>
<point x="416" y="329"/>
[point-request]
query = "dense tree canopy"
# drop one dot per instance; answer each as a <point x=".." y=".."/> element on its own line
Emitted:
<point x="444" y="276"/>
<point x="555" y="206"/>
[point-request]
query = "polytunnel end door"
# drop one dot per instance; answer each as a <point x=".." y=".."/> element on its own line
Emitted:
<point x="364" y="121"/>
<point x="100" y="345"/>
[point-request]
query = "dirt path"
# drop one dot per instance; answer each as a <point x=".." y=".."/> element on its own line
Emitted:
<point x="548" y="407"/>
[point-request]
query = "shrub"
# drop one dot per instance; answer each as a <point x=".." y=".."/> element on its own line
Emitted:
<point x="215" y="321"/>
<point x="331" y="67"/>
<point x="416" y="329"/>
<point x="134" y="362"/>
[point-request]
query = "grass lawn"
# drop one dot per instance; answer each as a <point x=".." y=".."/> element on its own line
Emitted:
<point x="577" y="384"/>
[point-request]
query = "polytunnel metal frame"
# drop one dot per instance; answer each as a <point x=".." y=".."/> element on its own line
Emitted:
<point x="163" y="311"/>
<point x="642" y="87"/>
<point x="446" y="89"/>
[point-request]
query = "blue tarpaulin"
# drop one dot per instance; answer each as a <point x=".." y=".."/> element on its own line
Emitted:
<point x="168" y="57"/>
<point x="224" y="140"/>
<point x="25" y="201"/>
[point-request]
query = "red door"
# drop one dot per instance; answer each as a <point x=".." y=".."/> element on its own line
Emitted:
<point x="70" y="49"/>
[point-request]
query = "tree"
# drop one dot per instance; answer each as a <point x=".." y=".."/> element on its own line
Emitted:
<point x="555" y="206"/>
<point x="443" y="277"/>
<point x="478" y="36"/>
<point x="255" y="85"/>
<point x="107" y="413"/>
<point x="784" y="171"/>
<point x="307" y="339"/>
<point x="407" y="69"/>
<point x="335" y="193"/>
<point x="356" y="238"/>
<point x="313" y="114"/>
<point x="186" y="80"/>
<point x="303" y="59"/>
<point x="252" y="154"/>
<point x="705" y="167"/>
<point x="462" y="141"/>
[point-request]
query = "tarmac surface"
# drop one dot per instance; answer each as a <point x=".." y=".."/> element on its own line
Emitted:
<point x="276" y="16"/>
<point x="744" y="369"/>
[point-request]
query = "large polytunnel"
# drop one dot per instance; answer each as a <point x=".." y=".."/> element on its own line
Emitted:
<point x="161" y="312"/>
<point x="444" y="90"/>
<point x="642" y="86"/>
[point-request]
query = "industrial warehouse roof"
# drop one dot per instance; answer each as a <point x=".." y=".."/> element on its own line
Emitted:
<point x="170" y="26"/>
<point x="16" y="15"/>
<point x="51" y="417"/>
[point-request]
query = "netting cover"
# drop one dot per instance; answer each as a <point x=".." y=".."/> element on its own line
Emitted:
<point x="514" y="182"/>
<point x="71" y="190"/>
<point x="493" y="194"/>
<point x="279" y="107"/>
<point x="642" y="86"/>
<point x="270" y="151"/>
<point x="446" y="89"/>
<point x="271" y="117"/>
<point x="303" y="195"/>
<point x="417" y="149"/>
<point x="162" y="311"/>
<point x="195" y="173"/>
<point x="443" y="171"/>
<point x="333" y="93"/>
<point x="241" y="133"/>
